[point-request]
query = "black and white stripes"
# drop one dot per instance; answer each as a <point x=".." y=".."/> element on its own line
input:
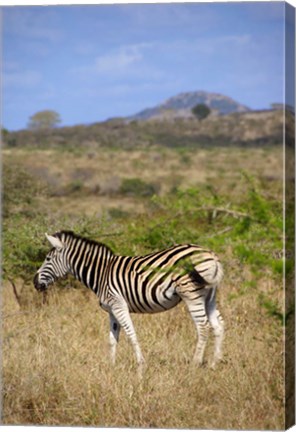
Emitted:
<point x="143" y="284"/>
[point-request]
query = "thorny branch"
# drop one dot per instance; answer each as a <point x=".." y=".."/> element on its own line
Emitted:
<point x="213" y="211"/>
<point x="16" y="294"/>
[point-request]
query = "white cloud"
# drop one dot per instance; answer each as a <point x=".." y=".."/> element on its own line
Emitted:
<point x="127" y="61"/>
<point x="124" y="59"/>
<point x="118" y="61"/>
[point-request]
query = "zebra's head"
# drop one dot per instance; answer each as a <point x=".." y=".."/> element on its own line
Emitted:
<point x="54" y="265"/>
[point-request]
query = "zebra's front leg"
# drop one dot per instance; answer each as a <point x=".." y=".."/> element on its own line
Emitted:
<point x="121" y="313"/>
<point x="113" y="336"/>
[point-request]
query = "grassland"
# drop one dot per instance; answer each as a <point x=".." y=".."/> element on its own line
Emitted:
<point x="56" y="368"/>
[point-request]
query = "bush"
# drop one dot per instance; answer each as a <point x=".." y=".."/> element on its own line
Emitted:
<point x="201" y="111"/>
<point x="247" y="233"/>
<point x="137" y="187"/>
<point x="20" y="189"/>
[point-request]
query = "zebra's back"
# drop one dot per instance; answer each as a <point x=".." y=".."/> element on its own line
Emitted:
<point x="153" y="283"/>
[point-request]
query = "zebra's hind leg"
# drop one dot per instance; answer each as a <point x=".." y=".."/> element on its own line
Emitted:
<point x="113" y="336"/>
<point x="217" y="323"/>
<point x="120" y="312"/>
<point x="194" y="298"/>
<point x="202" y="327"/>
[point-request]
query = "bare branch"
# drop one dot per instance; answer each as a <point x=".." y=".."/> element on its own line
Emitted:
<point x="17" y="297"/>
<point x="225" y="230"/>
<point x="224" y="210"/>
<point x="213" y="210"/>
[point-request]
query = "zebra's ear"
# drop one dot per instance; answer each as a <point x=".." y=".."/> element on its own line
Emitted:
<point x="55" y="242"/>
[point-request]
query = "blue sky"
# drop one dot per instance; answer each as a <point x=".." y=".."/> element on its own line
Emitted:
<point x="90" y="63"/>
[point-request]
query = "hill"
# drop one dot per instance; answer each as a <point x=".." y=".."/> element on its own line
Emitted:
<point x="236" y="129"/>
<point x="182" y="104"/>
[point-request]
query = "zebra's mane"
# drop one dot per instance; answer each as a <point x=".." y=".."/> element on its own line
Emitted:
<point x="72" y="235"/>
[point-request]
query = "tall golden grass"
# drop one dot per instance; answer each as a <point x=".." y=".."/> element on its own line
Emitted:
<point x="56" y="368"/>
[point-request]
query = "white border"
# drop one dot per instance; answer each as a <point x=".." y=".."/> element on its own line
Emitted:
<point x="110" y="2"/>
<point x="96" y="2"/>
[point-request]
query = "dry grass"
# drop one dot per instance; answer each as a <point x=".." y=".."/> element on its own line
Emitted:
<point x="57" y="371"/>
<point x="55" y="360"/>
<point x="100" y="177"/>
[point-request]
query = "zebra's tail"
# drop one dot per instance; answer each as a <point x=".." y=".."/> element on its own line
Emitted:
<point x="208" y="272"/>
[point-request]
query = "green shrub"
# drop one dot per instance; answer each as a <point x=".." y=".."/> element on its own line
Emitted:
<point x="271" y="307"/>
<point x="137" y="188"/>
<point x="75" y="186"/>
<point x="20" y="189"/>
<point x="246" y="232"/>
<point x="24" y="247"/>
<point x="118" y="213"/>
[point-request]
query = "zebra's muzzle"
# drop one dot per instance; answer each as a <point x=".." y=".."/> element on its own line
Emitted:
<point x="40" y="286"/>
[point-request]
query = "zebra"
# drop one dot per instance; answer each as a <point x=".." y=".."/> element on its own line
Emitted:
<point x="151" y="283"/>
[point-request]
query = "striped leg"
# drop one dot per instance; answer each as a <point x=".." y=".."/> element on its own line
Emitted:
<point x="195" y="300"/>
<point x="114" y="336"/>
<point x="202" y="326"/>
<point x="217" y="323"/>
<point x="219" y="335"/>
<point x="121" y="314"/>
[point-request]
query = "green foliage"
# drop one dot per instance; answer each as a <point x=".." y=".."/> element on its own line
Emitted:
<point x="246" y="232"/>
<point x="271" y="307"/>
<point x="4" y="134"/>
<point x="289" y="267"/>
<point x="23" y="250"/>
<point x="191" y="216"/>
<point x="137" y="187"/>
<point x="25" y="245"/>
<point x="75" y="186"/>
<point x="230" y="130"/>
<point x="186" y="216"/>
<point x="46" y="119"/>
<point x="118" y="213"/>
<point x="20" y="189"/>
<point x="201" y="111"/>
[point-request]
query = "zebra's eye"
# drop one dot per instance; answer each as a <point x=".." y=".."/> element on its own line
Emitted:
<point x="48" y="258"/>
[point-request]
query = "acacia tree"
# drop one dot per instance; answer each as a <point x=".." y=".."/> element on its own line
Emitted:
<point x="201" y="111"/>
<point x="46" y="119"/>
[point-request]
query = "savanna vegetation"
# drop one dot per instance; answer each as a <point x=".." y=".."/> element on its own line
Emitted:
<point x="138" y="199"/>
<point x="239" y="129"/>
<point x="46" y="119"/>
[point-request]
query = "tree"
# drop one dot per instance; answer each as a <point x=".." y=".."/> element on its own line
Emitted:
<point x="201" y="111"/>
<point x="4" y="133"/>
<point x="44" y="120"/>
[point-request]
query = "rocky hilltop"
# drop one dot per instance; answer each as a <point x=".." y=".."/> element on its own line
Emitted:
<point x="180" y="106"/>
